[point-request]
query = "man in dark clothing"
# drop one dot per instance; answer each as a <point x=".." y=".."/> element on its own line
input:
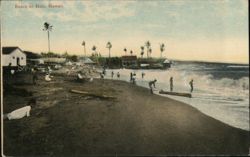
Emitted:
<point x="151" y="84"/>
<point x="171" y="84"/>
<point x="34" y="77"/>
<point x="191" y="83"/>
<point x="142" y="75"/>
<point x="112" y="74"/>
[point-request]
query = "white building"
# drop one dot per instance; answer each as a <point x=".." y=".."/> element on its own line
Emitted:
<point x="54" y="60"/>
<point x="13" y="56"/>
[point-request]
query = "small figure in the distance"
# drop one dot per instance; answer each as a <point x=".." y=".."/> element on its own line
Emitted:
<point x="171" y="83"/>
<point x="142" y="75"/>
<point x="118" y="75"/>
<point x="47" y="77"/>
<point x="151" y="85"/>
<point x="112" y="74"/>
<point x="191" y="83"/>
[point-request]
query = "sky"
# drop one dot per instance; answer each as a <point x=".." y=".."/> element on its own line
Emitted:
<point x="203" y="30"/>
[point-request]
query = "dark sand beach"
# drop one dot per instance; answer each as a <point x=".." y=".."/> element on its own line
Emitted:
<point x="135" y="123"/>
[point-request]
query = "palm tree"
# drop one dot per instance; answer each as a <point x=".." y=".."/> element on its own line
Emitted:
<point x="142" y="51"/>
<point x="162" y="48"/>
<point x="83" y="44"/>
<point x="48" y="28"/>
<point x="125" y="50"/>
<point x="150" y="51"/>
<point x="148" y="45"/>
<point x="131" y="52"/>
<point x="94" y="49"/>
<point x="109" y="46"/>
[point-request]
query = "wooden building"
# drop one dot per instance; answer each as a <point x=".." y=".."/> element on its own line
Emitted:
<point x="13" y="57"/>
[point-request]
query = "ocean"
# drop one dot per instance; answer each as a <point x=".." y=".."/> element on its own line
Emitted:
<point x="220" y="90"/>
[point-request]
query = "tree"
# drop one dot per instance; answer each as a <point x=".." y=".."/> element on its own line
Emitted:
<point x="142" y="51"/>
<point x="148" y="45"/>
<point x="73" y="58"/>
<point x="65" y="54"/>
<point x="109" y="46"/>
<point x="83" y="44"/>
<point x="125" y="50"/>
<point x="131" y="52"/>
<point x="150" y="51"/>
<point x="162" y="48"/>
<point x="94" y="49"/>
<point x="48" y="28"/>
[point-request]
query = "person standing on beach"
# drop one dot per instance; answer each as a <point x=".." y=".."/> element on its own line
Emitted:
<point x="142" y="75"/>
<point x="34" y="77"/>
<point x="151" y="84"/>
<point x="171" y="84"/>
<point x="131" y="77"/>
<point x="118" y="75"/>
<point x="112" y="74"/>
<point x="191" y="83"/>
<point x="104" y="71"/>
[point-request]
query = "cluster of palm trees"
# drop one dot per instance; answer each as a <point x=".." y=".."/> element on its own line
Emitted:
<point x="125" y="50"/>
<point x="147" y="45"/>
<point x="94" y="49"/>
<point x="48" y="28"/>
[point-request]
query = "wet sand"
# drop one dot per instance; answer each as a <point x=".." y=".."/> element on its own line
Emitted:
<point x="135" y="123"/>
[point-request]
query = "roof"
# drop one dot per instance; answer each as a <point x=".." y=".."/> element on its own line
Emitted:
<point x="31" y="55"/>
<point x="129" y="58"/>
<point x="166" y="61"/>
<point x="54" y="60"/>
<point x="87" y="60"/>
<point x="9" y="50"/>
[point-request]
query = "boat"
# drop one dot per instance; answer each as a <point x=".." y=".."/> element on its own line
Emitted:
<point x="176" y="93"/>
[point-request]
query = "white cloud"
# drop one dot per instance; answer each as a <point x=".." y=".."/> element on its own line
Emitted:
<point x="83" y="11"/>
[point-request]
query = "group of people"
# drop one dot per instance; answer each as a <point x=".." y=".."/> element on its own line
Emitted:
<point x="112" y="74"/>
<point x="151" y="83"/>
<point x="191" y="84"/>
<point x="171" y="82"/>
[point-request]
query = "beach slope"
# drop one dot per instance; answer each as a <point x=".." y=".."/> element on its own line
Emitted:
<point x="135" y="123"/>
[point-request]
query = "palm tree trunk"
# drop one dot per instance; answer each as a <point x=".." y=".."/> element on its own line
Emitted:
<point x="109" y="53"/>
<point x="48" y="42"/>
<point x="85" y="51"/>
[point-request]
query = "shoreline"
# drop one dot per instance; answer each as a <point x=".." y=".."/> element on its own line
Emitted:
<point x="219" y="102"/>
<point x="166" y="96"/>
<point x="135" y="123"/>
